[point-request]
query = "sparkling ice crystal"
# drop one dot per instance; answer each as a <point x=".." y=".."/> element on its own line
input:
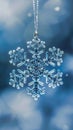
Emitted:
<point x="36" y="67"/>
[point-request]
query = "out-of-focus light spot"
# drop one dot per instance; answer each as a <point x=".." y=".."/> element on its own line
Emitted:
<point x="29" y="14"/>
<point x="67" y="75"/>
<point x="66" y="127"/>
<point x="62" y="118"/>
<point x="22" y="110"/>
<point x="57" y="8"/>
<point x="68" y="63"/>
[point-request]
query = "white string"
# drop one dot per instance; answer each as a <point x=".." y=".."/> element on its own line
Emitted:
<point x="36" y="14"/>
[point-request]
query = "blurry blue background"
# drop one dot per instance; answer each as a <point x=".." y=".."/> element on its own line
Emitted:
<point x="53" y="111"/>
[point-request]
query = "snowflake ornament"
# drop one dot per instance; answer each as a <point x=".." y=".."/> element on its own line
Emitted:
<point x="36" y="67"/>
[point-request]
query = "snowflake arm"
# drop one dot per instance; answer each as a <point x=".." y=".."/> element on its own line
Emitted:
<point x="36" y="42"/>
<point x="54" y="57"/>
<point x="17" y="57"/>
<point x="53" y="78"/>
<point x="36" y="90"/>
<point x="18" y="80"/>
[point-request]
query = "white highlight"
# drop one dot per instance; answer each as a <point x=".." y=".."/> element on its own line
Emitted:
<point x="29" y="14"/>
<point x="57" y="8"/>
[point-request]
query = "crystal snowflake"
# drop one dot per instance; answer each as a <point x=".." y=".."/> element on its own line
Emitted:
<point x="36" y="67"/>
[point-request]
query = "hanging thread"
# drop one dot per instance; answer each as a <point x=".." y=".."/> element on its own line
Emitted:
<point x="36" y="15"/>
